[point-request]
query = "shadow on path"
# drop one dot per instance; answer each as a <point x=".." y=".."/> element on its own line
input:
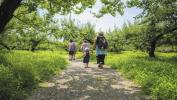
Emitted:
<point x="78" y="83"/>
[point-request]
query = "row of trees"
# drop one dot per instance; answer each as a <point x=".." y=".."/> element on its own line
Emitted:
<point x="133" y="36"/>
<point x="157" y="22"/>
<point x="21" y="26"/>
<point x="44" y="32"/>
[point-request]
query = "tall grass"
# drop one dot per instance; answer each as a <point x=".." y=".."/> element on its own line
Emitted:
<point x="21" y="71"/>
<point x="158" y="77"/>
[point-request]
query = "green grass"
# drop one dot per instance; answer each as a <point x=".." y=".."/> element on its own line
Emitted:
<point x="158" y="76"/>
<point x="21" y="71"/>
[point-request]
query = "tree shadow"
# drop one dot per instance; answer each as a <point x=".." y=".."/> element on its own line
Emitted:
<point x="160" y="59"/>
<point x="89" y="84"/>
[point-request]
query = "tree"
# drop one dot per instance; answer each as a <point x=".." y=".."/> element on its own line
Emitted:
<point x="160" y="16"/>
<point x="87" y="32"/>
<point x="70" y="29"/>
<point x="8" y="7"/>
<point x="112" y="7"/>
<point x="29" y="30"/>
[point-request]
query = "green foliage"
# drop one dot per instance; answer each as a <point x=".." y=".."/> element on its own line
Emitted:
<point x="9" y="85"/>
<point x="157" y="76"/>
<point x="21" y="71"/>
<point x="130" y="37"/>
<point x="111" y="7"/>
<point x="69" y="29"/>
<point x="116" y="41"/>
<point x="63" y="7"/>
<point x="87" y="31"/>
<point x="77" y="6"/>
<point x="78" y="32"/>
<point x="160" y="18"/>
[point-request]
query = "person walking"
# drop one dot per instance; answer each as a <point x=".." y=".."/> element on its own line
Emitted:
<point x="72" y="50"/>
<point x="86" y="53"/>
<point x="86" y="57"/>
<point x="101" y="46"/>
<point x="84" y="45"/>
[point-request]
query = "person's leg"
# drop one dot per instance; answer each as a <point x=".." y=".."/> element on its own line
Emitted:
<point x="102" y="57"/>
<point x="69" y="55"/>
<point x="86" y="65"/>
<point x="86" y="60"/>
<point x="99" y="60"/>
<point x="72" y="56"/>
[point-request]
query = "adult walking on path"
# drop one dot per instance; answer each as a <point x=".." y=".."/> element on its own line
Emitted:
<point x="101" y="45"/>
<point x="72" y="50"/>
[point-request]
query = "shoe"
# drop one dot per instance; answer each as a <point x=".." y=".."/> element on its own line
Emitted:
<point x="100" y="66"/>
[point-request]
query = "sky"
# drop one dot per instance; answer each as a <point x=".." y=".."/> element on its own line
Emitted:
<point x="105" y="23"/>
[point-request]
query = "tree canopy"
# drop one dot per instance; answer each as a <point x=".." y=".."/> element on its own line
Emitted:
<point x="8" y="7"/>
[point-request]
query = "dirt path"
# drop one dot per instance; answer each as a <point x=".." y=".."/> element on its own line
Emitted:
<point x="78" y="83"/>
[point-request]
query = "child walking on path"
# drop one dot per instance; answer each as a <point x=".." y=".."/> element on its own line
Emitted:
<point x="86" y="53"/>
<point x="86" y="57"/>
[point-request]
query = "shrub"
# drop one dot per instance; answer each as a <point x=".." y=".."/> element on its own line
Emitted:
<point x="21" y="71"/>
<point x="9" y="85"/>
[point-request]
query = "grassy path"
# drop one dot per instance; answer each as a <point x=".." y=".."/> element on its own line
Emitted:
<point x="78" y="83"/>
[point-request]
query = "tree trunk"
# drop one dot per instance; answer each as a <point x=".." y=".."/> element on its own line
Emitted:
<point x="5" y="46"/>
<point x="7" y="9"/>
<point x="152" y="49"/>
<point x="153" y="42"/>
<point x="152" y="45"/>
<point x="34" y="44"/>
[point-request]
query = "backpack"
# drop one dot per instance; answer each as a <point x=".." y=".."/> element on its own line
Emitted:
<point x="102" y="42"/>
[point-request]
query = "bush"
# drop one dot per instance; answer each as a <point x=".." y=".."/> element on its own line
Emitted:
<point x="9" y="85"/>
<point x="27" y="77"/>
<point x="21" y="71"/>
